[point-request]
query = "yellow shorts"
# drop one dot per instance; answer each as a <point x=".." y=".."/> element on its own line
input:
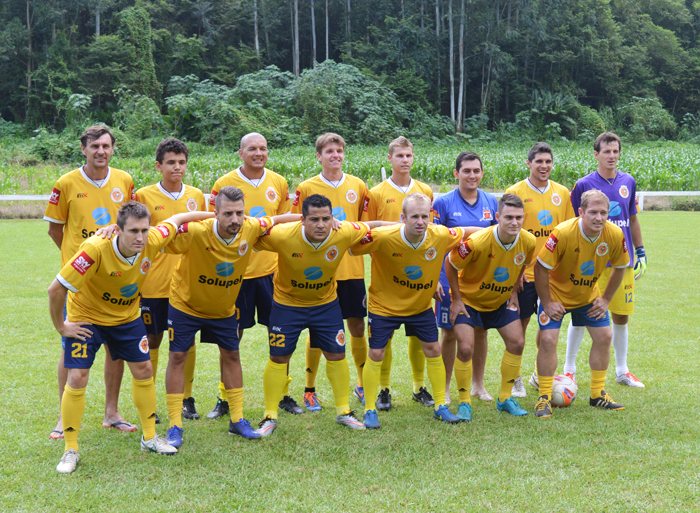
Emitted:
<point x="623" y="300"/>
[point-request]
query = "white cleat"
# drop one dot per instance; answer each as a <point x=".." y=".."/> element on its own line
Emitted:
<point x="628" y="379"/>
<point x="348" y="419"/>
<point x="158" y="445"/>
<point x="535" y="381"/>
<point x="518" y="388"/>
<point x="267" y="427"/>
<point x="68" y="462"/>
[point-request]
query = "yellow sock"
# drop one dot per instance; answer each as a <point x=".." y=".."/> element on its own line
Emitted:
<point x="597" y="383"/>
<point x="385" y="374"/>
<point x="313" y="359"/>
<point x="371" y="379"/>
<point x="463" y="376"/>
<point x="154" y="362"/>
<point x="175" y="409"/>
<point x="285" y="391"/>
<point x="143" y="392"/>
<point x="358" y="348"/>
<point x="437" y="377"/>
<point x="417" y="359"/>
<point x="235" y="403"/>
<point x="510" y="369"/>
<point x="222" y="391"/>
<point x="339" y="375"/>
<point x="274" y="378"/>
<point x="546" y="383"/>
<point x="189" y="370"/>
<point x="72" y="409"/>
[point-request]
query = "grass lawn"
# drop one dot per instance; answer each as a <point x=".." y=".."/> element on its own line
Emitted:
<point x="643" y="458"/>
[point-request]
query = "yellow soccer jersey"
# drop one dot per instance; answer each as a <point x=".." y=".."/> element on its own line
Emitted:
<point x="162" y="205"/>
<point x="348" y="198"/>
<point x="544" y="209"/>
<point x="404" y="277"/>
<point x="384" y="202"/>
<point x="209" y="274"/>
<point x="307" y="271"/>
<point x="104" y="286"/>
<point x="268" y="196"/>
<point x="489" y="271"/>
<point x="576" y="261"/>
<point x="83" y="207"/>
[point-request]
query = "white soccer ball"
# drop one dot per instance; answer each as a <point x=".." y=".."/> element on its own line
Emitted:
<point x="563" y="391"/>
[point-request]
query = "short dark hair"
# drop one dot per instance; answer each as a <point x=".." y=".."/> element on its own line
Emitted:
<point x="510" y="200"/>
<point x="540" y="147"/>
<point x="95" y="132"/>
<point x="607" y="137"/>
<point x="171" y="145"/>
<point x="132" y="209"/>
<point x="229" y="192"/>
<point x="468" y="155"/>
<point x="316" y="201"/>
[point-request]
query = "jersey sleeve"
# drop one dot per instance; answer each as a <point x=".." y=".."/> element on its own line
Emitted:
<point x="201" y="201"/>
<point x="493" y="202"/>
<point x="368" y="244"/>
<point x="569" y="212"/>
<point x="285" y="204"/>
<point x="369" y="208"/>
<point x="79" y="269"/>
<point x="438" y="213"/>
<point x="261" y="225"/>
<point x="132" y="189"/>
<point x="619" y="254"/>
<point x="633" y="207"/>
<point x="551" y="252"/>
<point x="57" y="207"/>
<point x="576" y="198"/>
<point x="364" y="193"/>
<point x="462" y="254"/>
<point x="529" y="257"/>
<point x="299" y="197"/>
<point x="212" y="197"/>
<point x="183" y="239"/>
<point x="455" y="236"/>
<point x="162" y="234"/>
<point x="357" y="231"/>
<point x="269" y="239"/>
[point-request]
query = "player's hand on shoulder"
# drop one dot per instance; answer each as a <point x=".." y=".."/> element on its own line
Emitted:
<point x="107" y="231"/>
<point x="77" y="330"/>
<point x="439" y="293"/>
<point x="336" y="224"/>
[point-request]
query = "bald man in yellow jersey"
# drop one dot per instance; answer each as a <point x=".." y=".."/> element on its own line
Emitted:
<point x="490" y="264"/>
<point x="167" y="197"/>
<point x="347" y="194"/>
<point x="384" y="203"/>
<point x="81" y="202"/>
<point x="406" y="263"/>
<point x="567" y="272"/>
<point x="266" y="194"/>
<point x="104" y="278"/>
<point x="546" y="205"/>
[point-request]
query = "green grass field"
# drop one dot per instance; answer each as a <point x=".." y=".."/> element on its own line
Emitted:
<point x="645" y="458"/>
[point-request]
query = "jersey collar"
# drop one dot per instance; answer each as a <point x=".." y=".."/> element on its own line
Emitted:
<point x="409" y="243"/>
<point x="174" y="195"/>
<point x="498" y="240"/>
<point x="315" y="245"/>
<point x="537" y="189"/>
<point x="128" y="261"/>
<point x="227" y="242"/>
<point x="260" y="180"/>
<point x="398" y="188"/>
<point x="466" y="203"/>
<point x="580" y="227"/>
<point x="332" y="184"/>
<point x="92" y="182"/>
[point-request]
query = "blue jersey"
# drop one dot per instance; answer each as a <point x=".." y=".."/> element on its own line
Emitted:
<point x="453" y="211"/>
<point x="622" y="194"/>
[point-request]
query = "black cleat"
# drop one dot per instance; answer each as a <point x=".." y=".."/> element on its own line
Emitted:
<point x="543" y="408"/>
<point x="290" y="405"/>
<point x="220" y="410"/>
<point x="384" y="400"/>
<point x="188" y="409"/>
<point x="605" y="401"/>
<point x="424" y="397"/>
<point x="157" y="419"/>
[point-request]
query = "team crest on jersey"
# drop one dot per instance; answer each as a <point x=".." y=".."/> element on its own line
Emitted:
<point x="243" y="248"/>
<point x="340" y="338"/>
<point x="117" y="195"/>
<point x="55" y="195"/>
<point x="624" y="192"/>
<point x="602" y="249"/>
<point x="143" y="345"/>
<point x="351" y="196"/>
<point x="191" y="205"/>
<point x="164" y="230"/>
<point x="271" y="194"/>
<point x="430" y="254"/>
<point x="556" y="199"/>
<point x="464" y="249"/>
<point x="544" y="319"/>
<point x="332" y="253"/>
<point x="519" y="258"/>
<point x="82" y="263"/>
<point x="145" y="265"/>
<point x="486" y="215"/>
<point x="551" y="243"/>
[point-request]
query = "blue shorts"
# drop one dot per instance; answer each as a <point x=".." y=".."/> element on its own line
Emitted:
<point x="527" y="299"/>
<point x="381" y="328"/>
<point x="65" y="318"/>
<point x="126" y="342"/>
<point x="442" y="309"/>
<point x="182" y="328"/>
<point x="325" y="324"/>
<point x="353" y="298"/>
<point x="578" y="318"/>
<point x="498" y="318"/>
<point x="255" y="293"/>
<point x="154" y="312"/>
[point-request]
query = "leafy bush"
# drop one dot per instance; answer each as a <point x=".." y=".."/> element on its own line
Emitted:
<point x="646" y="119"/>
<point x="588" y="122"/>
<point x="138" y="115"/>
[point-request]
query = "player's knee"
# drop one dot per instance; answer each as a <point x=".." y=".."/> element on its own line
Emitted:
<point x="334" y="357"/>
<point x="280" y="359"/>
<point x="231" y="357"/>
<point x="177" y="358"/>
<point x="516" y="345"/>
<point x="356" y="326"/>
<point x="154" y="341"/>
<point x="465" y="351"/>
<point x="377" y="355"/>
<point x="431" y="350"/>
<point x="77" y="378"/>
<point x="141" y="370"/>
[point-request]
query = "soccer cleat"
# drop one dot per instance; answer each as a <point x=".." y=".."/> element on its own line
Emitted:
<point x="571" y="376"/>
<point x="605" y="401"/>
<point x="424" y="397"/>
<point x="311" y="401"/>
<point x="360" y="394"/>
<point x="188" y="409"/>
<point x="518" y="388"/>
<point x="543" y="408"/>
<point x="371" y="420"/>
<point x="158" y="445"/>
<point x="68" y="462"/>
<point x="266" y="426"/>
<point x="384" y="400"/>
<point x="535" y="381"/>
<point x="290" y="405"/>
<point x="511" y="406"/>
<point x="220" y="409"/>
<point x="157" y="419"/>
<point x="628" y="379"/>
<point x="350" y="420"/>
<point x="174" y="437"/>
<point x="243" y="428"/>
<point x="445" y="415"/>
<point x="464" y="412"/>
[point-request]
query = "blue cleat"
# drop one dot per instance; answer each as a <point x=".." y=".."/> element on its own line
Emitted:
<point x="244" y="429"/>
<point x="360" y="394"/>
<point x="511" y="406"/>
<point x="445" y="415"/>
<point x="174" y="437"/>
<point x="464" y="413"/>
<point x="371" y="420"/>
<point x="311" y="401"/>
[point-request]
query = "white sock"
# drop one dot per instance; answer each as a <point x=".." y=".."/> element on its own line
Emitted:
<point x="620" y="341"/>
<point x="574" y="339"/>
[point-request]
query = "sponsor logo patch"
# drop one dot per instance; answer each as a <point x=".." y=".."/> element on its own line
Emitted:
<point x="183" y="228"/>
<point x="501" y="274"/>
<point x="82" y="263"/>
<point x="263" y="223"/>
<point x="551" y="243"/>
<point x="224" y="269"/>
<point x="296" y="198"/>
<point x="413" y="272"/>
<point x="164" y="230"/>
<point x="365" y="206"/>
<point x="367" y="238"/>
<point x="212" y="198"/>
<point x="464" y="249"/>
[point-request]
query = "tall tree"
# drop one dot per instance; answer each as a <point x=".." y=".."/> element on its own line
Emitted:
<point x="460" y="112"/>
<point x="296" y="38"/>
<point x="255" y="28"/>
<point x="313" y="34"/>
<point x="452" y="63"/>
<point x="327" y="33"/>
<point x="348" y="28"/>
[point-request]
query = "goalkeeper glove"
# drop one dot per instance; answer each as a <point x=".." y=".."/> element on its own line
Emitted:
<point x="640" y="265"/>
